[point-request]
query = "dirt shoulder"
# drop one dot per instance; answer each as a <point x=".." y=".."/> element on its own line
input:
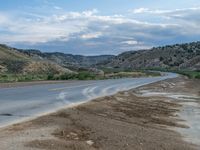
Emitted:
<point x="125" y="121"/>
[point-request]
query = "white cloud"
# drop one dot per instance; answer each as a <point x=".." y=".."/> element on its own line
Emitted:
<point x="89" y="29"/>
<point x="139" y="10"/>
<point x="147" y="10"/>
<point x="130" y="42"/>
<point x="89" y="13"/>
<point x="58" y="26"/>
<point x="76" y="15"/>
<point x="57" y="8"/>
<point x="4" y="20"/>
<point x="159" y="11"/>
<point x="91" y="35"/>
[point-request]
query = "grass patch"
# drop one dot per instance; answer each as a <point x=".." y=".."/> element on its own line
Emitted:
<point x="21" y="77"/>
<point x="130" y="72"/>
<point x="74" y="76"/>
<point x="190" y="74"/>
<point x="40" y="77"/>
<point x="83" y="75"/>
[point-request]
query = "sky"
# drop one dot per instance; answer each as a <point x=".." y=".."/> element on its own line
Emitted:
<point x="95" y="27"/>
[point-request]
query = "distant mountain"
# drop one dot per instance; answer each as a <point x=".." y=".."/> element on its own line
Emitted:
<point x="179" y="56"/>
<point x="67" y="60"/>
<point x="14" y="60"/>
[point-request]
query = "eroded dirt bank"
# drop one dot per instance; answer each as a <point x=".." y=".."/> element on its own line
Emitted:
<point x="139" y="119"/>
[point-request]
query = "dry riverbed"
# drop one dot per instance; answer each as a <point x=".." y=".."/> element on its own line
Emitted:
<point x="140" y="119"/>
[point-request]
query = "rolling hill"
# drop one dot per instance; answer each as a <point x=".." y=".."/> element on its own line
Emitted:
<point x="39" y="65"/>
<point x="67" y="60"/>
<point x="180" y="56"/>
<point x="13" y="61"/>
<point x="174" y="57"/>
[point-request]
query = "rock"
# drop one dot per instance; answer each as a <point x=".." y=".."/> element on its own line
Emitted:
<point x="90" y="142"/>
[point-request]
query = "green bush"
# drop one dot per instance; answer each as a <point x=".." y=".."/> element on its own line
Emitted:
<point x="197" y="76"/>
<point x="67" y="76"/>
<point x="50" y="77"/>
<point x="85" y="76"/>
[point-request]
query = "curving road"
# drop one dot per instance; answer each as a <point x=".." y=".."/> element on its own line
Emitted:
<point x="21" y="103"/>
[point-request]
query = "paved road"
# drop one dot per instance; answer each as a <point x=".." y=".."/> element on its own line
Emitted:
<point x="17" y="104"/>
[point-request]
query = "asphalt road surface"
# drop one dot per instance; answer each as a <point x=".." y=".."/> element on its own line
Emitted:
<point x="22" y="103"/>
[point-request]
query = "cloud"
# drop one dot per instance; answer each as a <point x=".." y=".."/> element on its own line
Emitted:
<point x="3" y="19"/>
<point x="130" y="42"/>
<point x="185" y="14"/>
<point x="40" y="30"/>
<point x="57" y="8"/>
<point x="89" y="32"/>
<point x="91" y="35"/>
<point x="159" y="11"/>
<point x="139" y="10"/>
<point x="187" y="18"/>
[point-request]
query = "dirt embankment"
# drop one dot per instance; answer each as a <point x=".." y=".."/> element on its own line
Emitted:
<point x="125" y="121"/>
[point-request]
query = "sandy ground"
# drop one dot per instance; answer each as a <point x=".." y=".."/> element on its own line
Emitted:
<point x="131" y="120"/>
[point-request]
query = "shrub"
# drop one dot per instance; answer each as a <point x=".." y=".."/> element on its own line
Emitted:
<point x="50" y="77"/>
<point x="197" y="76"/>
<point x="85" y="76"/>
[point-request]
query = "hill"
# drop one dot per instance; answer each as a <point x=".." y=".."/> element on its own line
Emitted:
<point x="67" y="60"/>
<point x="10" y="56"/>
<point x="11" y="60"/>
<point x="179" y="56"/>
<point x="20" y="65"/>
<point x="15" y="63"/>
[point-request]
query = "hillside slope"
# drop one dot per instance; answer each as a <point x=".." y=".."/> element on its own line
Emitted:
<point x="28" y="65"/>
<point x="179" y="56"/>
<point x="13" y="61"/>
<point x="7" y="53"/>
<point x="67" y="60"/>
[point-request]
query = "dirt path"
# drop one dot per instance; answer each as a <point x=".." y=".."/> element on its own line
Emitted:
<point x="126" y="121"/>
